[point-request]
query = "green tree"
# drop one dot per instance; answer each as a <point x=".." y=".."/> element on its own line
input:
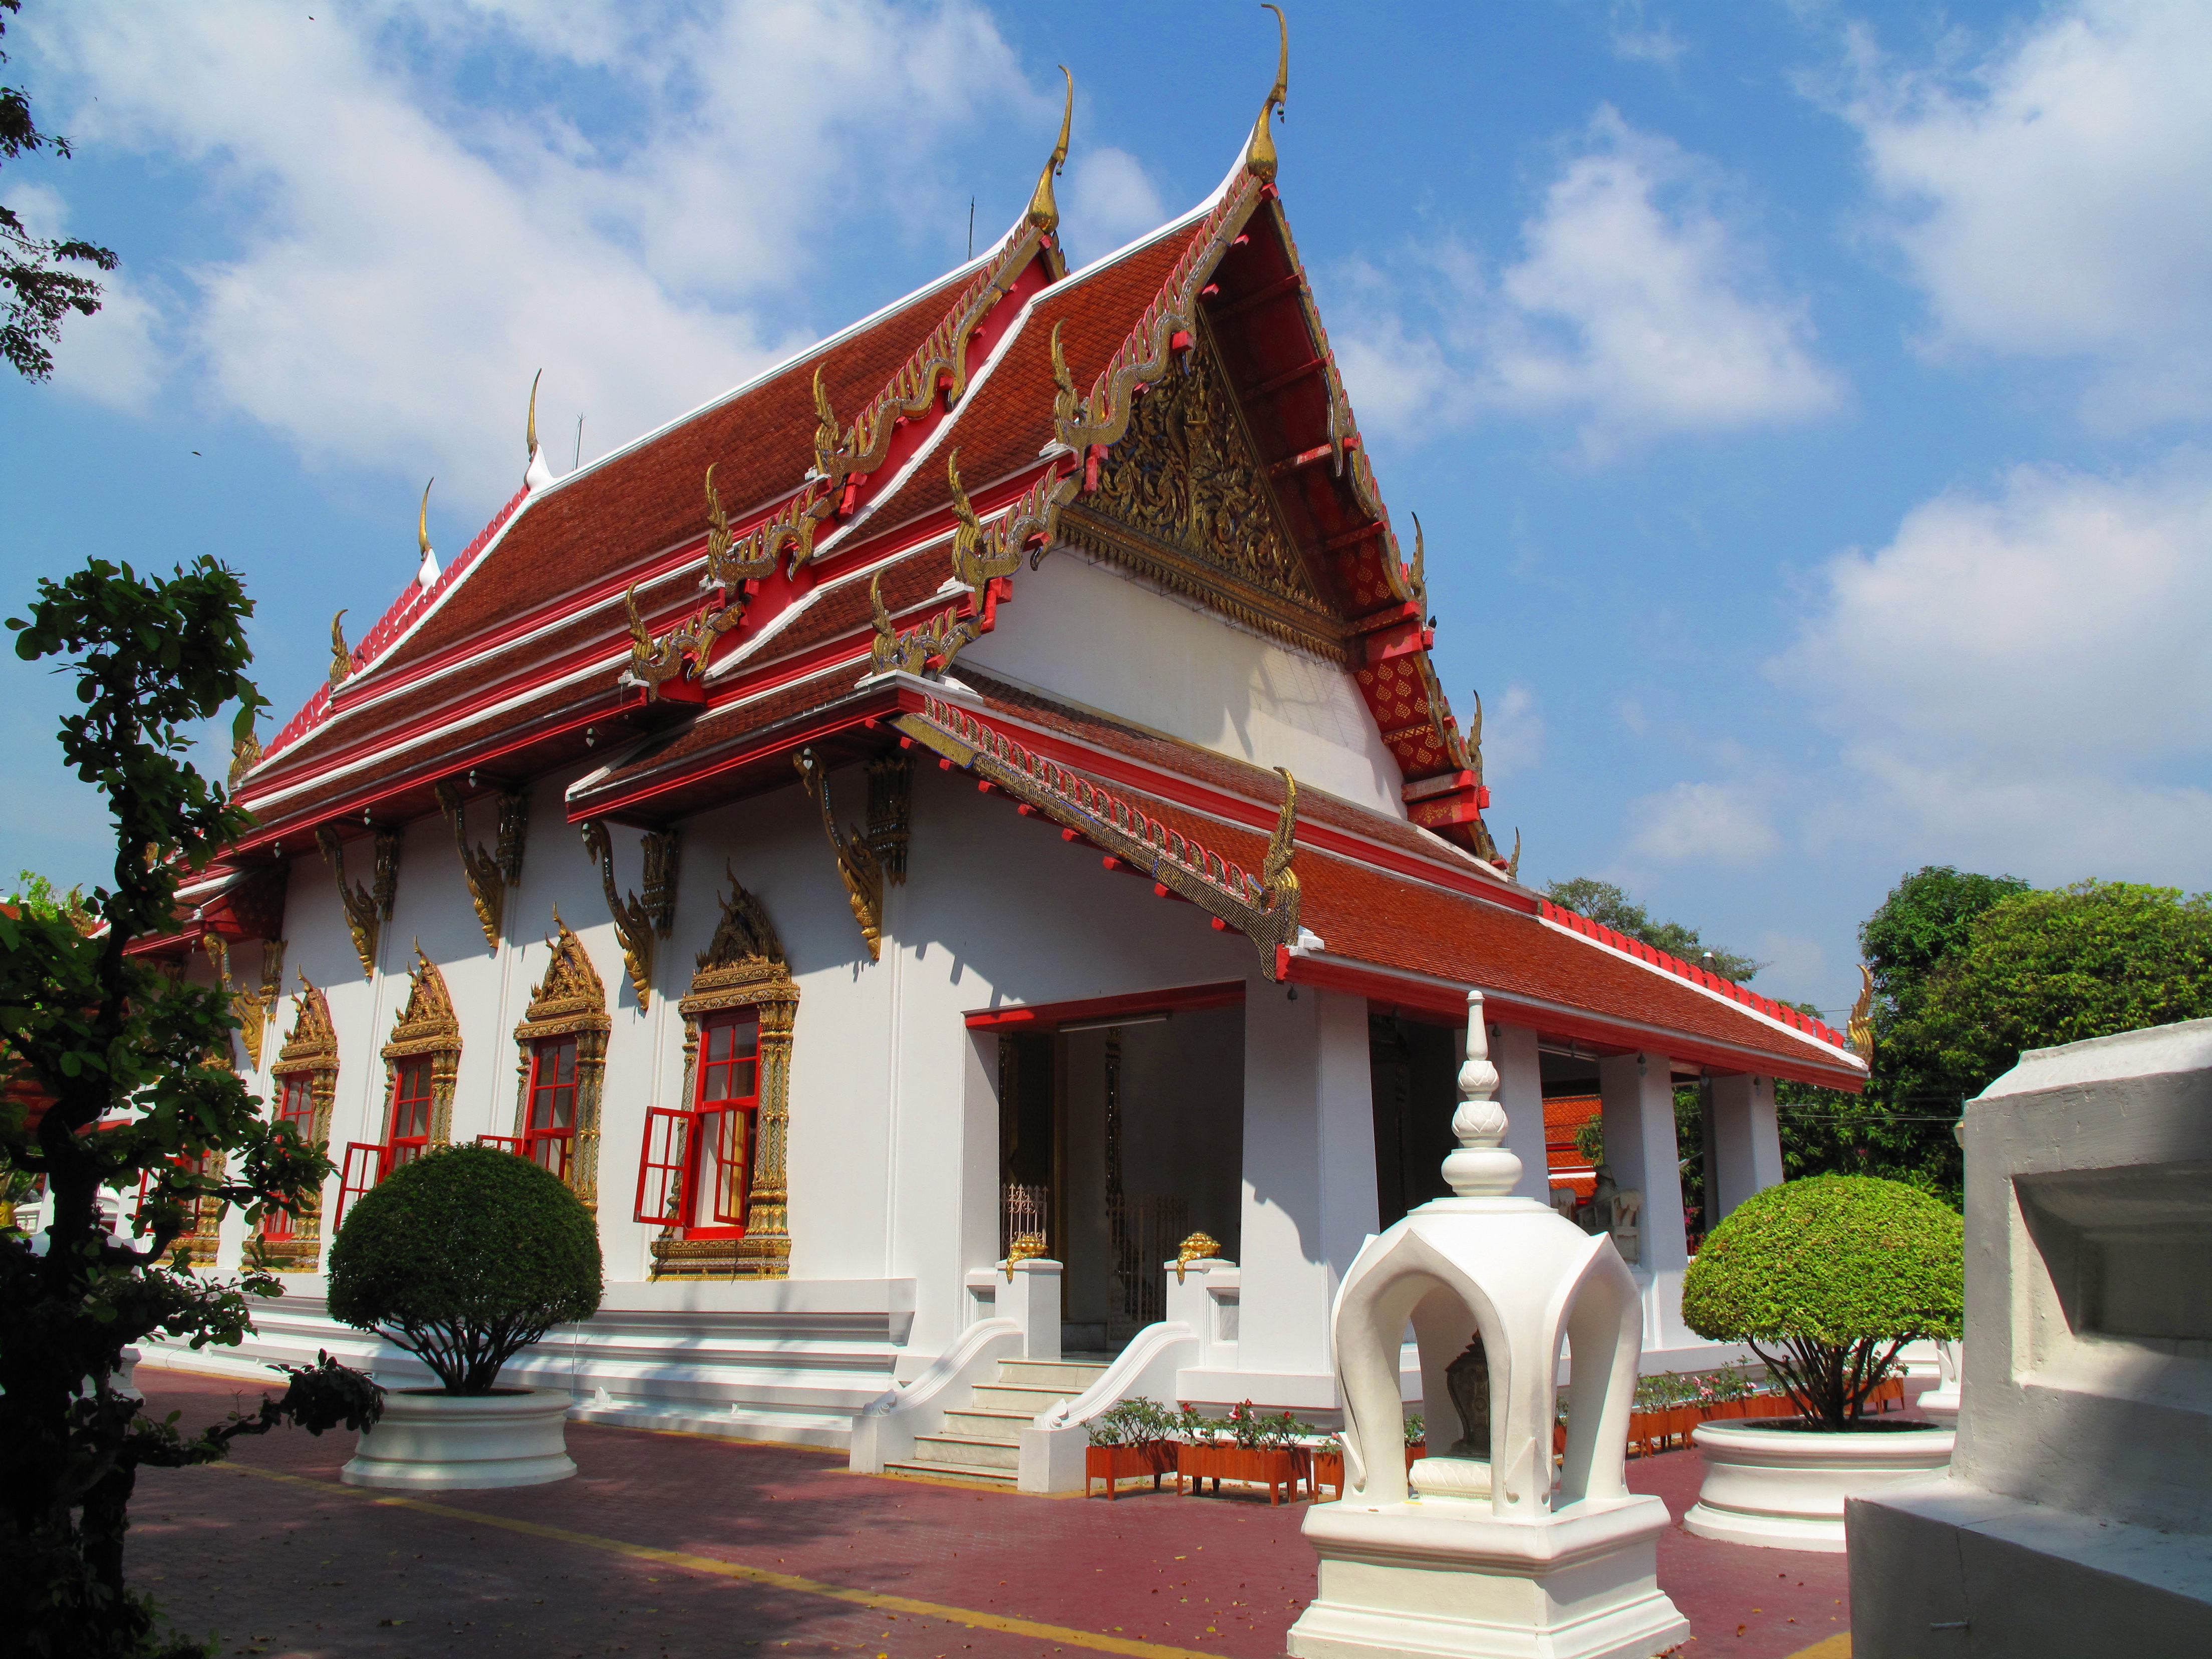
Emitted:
<point x="1900" y="1127"/>
<point x="2039" y="968"/>
<point x="130" y="1092"/>
<point x="1603" y="901"/>
<point x="38" y="295"/>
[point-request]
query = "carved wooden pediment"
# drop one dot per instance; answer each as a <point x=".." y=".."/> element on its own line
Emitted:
<point x="427" y="1025"/>
<point x="313" y="1044"/>
<point x="570" y="998"/>
<point x="1183" y="499"/>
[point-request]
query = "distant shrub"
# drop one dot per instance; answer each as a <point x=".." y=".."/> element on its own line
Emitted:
<point x="464" y="1257"/>
<point x="1825" y="1278"/>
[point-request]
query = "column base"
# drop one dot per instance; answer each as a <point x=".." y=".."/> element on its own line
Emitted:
<point x="1429" y="1578"/>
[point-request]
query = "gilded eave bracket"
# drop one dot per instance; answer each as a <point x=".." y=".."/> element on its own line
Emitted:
<point x="857" y="863"/>
<point x="638" y="922"/>
<point x="488" y="875"/>
<point x="366" y="911"/>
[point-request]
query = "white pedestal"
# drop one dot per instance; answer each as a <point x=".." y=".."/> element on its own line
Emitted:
<point x="463" y="1443"/>
<point x="1432" y="1577"/>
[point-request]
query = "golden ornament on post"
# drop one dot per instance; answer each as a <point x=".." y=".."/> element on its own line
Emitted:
<point x="1198" y="1247"/>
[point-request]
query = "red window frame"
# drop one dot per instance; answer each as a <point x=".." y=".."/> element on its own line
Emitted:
<point x="295" y="1105"/>
<point x="407" y="1115"/>
<point x="548" y="1128"/>
<point x="366" y="1163"/>
<point x="695" y="1174"/>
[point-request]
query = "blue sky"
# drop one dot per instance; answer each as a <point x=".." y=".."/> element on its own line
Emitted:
<point x="1808" y="403"/>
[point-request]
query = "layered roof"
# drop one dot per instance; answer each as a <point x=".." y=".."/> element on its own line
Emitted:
<point x="995" y="417"/>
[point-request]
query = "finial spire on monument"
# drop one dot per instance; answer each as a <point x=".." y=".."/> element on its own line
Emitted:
<point x="537" y="475"/>
<point x="426" y="575"/>
<point x="1260" y="154"/>
<point x="1044" y="208"/>
<point x="1481" y="1167"/>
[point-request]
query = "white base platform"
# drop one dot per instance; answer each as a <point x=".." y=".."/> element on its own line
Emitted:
<point x="463" y="1443"/>
<point x="1442" y="1579"/>
<point x="1784" y="1489"/>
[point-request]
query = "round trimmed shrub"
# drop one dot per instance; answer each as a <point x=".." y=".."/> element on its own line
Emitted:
<point x="464" y="1257"/>
<point x="1825" y="1278"/>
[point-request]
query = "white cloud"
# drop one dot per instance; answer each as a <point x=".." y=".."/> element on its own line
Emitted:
<point x="1512" y="735"/>
<point x="2020" y="677"/>
<point x="404" y="262"/>
<point x="1637" y="310"/>
<point x="1636" y="37"/>
<point x="110" y="357"/>
<point x="1107" y="200"/>
<point x="2051" y="201"/>
<point x="1704" y="823"/>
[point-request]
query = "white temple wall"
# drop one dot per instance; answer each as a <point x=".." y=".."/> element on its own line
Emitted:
<point x="1091" y="633"/>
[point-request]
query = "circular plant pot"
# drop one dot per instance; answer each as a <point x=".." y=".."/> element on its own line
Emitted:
<point x="430" y="1441"/>
<point x="1784" y="1488"/>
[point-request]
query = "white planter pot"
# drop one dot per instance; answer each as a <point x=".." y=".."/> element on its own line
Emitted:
<point x="443" y="1442"/>
<point x="1784" y="1488"/>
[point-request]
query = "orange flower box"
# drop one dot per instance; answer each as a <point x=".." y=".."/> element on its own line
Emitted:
<point x="1114" y="1464"/>
<point x="1272" y="1466"/>
<point x="1329" y="1467"/>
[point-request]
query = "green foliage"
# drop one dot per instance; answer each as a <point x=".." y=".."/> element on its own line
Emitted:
<point x="1603" y="901"/>
<point x="38" y="296"/>
<point x="40" y="897"/>
<point x="98" y="1037"/>
<point x="464" y="1257"/>
<point x="1244" y="1427"/>
<point x="2044" y="967"/>
<point x="1826" y="1278"/>
<point x="1134" y="1422"/>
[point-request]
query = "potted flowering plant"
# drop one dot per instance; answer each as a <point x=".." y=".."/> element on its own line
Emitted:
<point x="1245" y="1446"/>
<point x="1132" y="1439"/>
<point x="1826" y="1280"/>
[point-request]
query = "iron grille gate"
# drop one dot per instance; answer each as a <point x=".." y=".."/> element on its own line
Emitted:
<point x="1145" y="1232"/>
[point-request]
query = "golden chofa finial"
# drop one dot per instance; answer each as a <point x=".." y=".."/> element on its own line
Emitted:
<point x="1044" y="210"/>
<point x="536" y="475"/>
<point x="530" y="437"/>
<point x="341" y="659"/>
<point x="1260" y="154"/>
<point x="426" y="572"/>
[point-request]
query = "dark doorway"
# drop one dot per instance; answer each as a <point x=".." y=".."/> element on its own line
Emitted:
<point x="1413" y="1066"/>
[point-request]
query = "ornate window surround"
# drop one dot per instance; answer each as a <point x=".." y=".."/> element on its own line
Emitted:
<point x="313" y="1049"/>
<point x="569" y="999"/>
<point x="426" y="1026"/>
<point x="744" y="966"/>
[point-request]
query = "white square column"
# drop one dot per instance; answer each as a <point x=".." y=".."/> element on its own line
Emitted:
<point x="1308" y="1201"/>
<point x="1747" y="1141"/>
<point x="1638" y="1090"/>
<point x="1521" y="1092"/>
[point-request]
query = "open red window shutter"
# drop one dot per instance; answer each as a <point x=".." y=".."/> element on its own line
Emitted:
<point x="731" y="1162"/>
<point x="660" y="1168"/>
<point x="506" y="1143"/>
<point x="363" y="1170"/>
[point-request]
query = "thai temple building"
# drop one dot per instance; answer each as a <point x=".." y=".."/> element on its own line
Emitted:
<point x="977" y="795"/>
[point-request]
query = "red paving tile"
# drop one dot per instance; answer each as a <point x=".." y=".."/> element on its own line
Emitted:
<point x="303" y="1566"/>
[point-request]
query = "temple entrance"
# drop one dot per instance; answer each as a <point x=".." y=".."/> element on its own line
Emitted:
<point x="1121" y="1133"/>
<point x="1414" y="1064"/>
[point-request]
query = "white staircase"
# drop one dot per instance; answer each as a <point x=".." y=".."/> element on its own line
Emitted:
<point x="981" y="1440"/>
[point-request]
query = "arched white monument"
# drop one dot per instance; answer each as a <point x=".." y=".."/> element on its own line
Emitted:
<point x="1485" y="1549"/>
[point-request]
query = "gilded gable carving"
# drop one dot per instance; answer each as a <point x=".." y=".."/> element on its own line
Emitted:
<point x="570" y="998"/>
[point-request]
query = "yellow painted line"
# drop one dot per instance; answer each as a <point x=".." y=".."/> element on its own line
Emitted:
<point x="1064" y="1636"/>
<point x="1837" y="1646"/>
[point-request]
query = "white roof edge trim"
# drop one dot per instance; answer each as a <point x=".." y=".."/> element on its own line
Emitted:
<point x="1827" y="1050"/>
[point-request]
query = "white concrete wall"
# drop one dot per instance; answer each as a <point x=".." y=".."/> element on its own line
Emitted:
<point x="1638" y="1094"/>
<point x="1097" y="635"/>
<point x="1747" y="1141"/>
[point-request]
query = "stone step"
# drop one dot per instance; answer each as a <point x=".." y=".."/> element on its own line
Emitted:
<point x="979" y="1473"/>
<point x="1003" y="1428"/>
<point x="1063" y="1378"/>
<point x="997" y="1398"/>
<point x="958" y="1449"/>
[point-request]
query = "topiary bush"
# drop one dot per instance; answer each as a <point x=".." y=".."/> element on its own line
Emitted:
<point x="1825" y="1278"/>
<point x="464" y="1257"/>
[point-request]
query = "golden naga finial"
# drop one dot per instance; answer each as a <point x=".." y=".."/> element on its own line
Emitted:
<point x="423" y="522"/>
<point x="530" y="437"/>
<point x="1474" y="740"/>
<point x="1044" y="211"/>
<point x="1513" y="864"/>
<point x="718" y="525"/>
<point x="1421" y="582"/>
<point x="1067" y="402"/>
<point x="341" y="659"/>
<point x="1279" y="881"/>
<point x="1860" y="1028"/>
<point x="828" y="436"/>
<point x="640" y="637"/>
<point x="1260" y="154"/>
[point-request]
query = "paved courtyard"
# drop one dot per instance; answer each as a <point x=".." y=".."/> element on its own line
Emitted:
<point x="682" y="1545"/>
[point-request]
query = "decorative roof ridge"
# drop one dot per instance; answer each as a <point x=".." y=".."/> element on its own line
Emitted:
<point x="1448" y="859"/>
<point x="1728" y="989"/>
<point x="413" y="606"/>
